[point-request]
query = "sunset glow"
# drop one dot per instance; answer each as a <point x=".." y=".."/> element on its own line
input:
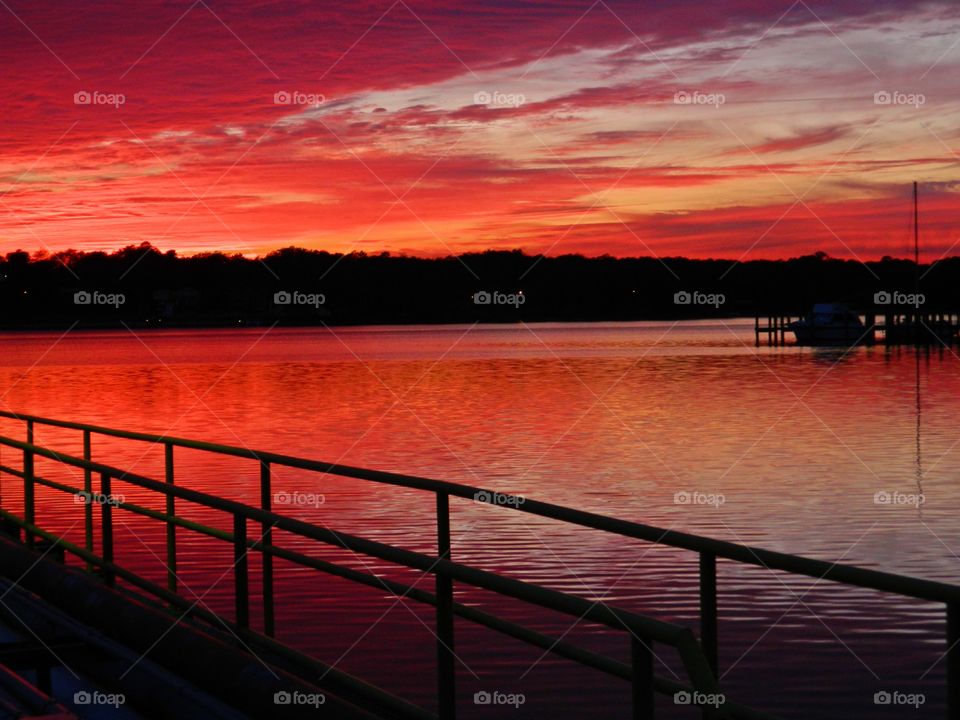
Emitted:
<point x="432" y="128"/>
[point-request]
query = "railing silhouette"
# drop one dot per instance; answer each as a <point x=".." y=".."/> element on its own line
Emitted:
<point x="699" y="657"/>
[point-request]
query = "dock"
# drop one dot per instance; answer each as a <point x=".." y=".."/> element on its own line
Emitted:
<point x="893" y="328"/>
<point x="98" y="613"/>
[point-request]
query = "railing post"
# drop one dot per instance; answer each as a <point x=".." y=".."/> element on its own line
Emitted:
<point x="171" y="527"/>
<point x="88" y="505"/>
<point x="641" y="658"/>
<point x="29" y="509"/>
<point x="446" y="671"/>
<point x="241" y="576"/>
<point x="266" y="504"/>
<point x="106" y="530"/>
<point x="953" y="661"/>
<point x="708" y="610"/>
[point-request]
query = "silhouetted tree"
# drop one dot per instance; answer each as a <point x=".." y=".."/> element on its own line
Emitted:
<point x="163" y="288"/>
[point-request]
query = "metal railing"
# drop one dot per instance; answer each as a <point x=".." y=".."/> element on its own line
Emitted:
<point x="700" y="658"/>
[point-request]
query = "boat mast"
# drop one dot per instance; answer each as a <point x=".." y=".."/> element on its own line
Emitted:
<point x="916" y="240"/>
<point x="916" y="289"/>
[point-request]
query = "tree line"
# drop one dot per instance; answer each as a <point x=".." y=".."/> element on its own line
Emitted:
<point x="144" y="287"/>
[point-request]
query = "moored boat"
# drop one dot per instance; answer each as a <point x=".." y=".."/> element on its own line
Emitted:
<point x="830" y="324"/>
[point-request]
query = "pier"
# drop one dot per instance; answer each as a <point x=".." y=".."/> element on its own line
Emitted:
<point x="893" y="328"/>
<point x="95" y="601"/>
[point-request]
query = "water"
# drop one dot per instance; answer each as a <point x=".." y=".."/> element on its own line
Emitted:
<point x="684" y="426"/>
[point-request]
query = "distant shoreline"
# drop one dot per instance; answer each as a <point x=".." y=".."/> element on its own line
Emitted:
<point x="140" y="287"/>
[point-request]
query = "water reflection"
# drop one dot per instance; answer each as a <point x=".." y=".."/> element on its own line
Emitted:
<point x="609" y="418"/>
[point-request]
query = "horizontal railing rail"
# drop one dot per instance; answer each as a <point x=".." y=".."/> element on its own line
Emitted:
<point x="820" y="569"/>
<point x="446" y="571"/>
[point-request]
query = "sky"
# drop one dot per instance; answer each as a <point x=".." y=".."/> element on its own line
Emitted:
<point x="744" y="129"/>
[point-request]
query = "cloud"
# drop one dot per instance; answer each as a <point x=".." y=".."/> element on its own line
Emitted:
<point x="800" y="140"/>
<point x="403" y="153"/>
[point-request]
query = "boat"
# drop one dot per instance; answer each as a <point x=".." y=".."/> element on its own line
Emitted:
<point x="833" y="324"/>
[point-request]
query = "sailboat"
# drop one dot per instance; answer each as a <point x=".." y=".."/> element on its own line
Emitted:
<point x="837" y="324"/>
<point x="913" y="328"/>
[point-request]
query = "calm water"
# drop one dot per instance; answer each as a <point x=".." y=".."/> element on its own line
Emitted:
<point x="611" y="418"/>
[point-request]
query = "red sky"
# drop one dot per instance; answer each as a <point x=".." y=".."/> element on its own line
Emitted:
<point x="554" y="126"/>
